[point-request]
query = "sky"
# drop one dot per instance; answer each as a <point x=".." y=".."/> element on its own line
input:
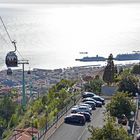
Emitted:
<point x="65" y="1"/>
<point x="97" y="28"/>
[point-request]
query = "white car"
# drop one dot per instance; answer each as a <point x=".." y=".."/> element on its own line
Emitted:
<point x="80" y="109"/>
<point x="88" y="94"/>
<point x="83" y="104"/>
<point x="98" y="103"/>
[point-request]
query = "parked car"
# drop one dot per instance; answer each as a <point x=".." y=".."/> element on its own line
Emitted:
<point x="123" y="120"/>
<point x="83" y="104"/>
<point x="75" y="118"/>
<point x="138" y="136"/>
<point x="88" y="94"/>
<point x="80" y="109"/>
<point x="91" y="103"/>
<point x="100" y="99"/>
<point x="87" y="115"/>
<point x="98" y="103"/>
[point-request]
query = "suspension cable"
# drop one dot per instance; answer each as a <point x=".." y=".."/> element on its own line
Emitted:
<point x="9" y="36"/>
<point x="6" y="29"/>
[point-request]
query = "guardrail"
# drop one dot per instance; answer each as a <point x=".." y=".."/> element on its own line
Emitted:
<point x="50" y="124"/>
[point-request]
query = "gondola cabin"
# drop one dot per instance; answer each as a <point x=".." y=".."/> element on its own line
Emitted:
<point x="9" y="71"/>
<point x="11" y="59"/>
<point x="28" y="72"/>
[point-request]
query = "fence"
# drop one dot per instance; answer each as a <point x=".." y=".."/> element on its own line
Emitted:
<point x="50" y="124"/>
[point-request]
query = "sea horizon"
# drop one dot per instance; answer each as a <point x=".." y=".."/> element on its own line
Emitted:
<point x="51" y="36"/>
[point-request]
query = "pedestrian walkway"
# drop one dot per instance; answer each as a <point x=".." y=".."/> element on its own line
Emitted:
<point x="52" y="130"/>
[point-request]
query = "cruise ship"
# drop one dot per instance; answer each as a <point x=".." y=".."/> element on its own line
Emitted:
<point x="125" y="57"/>
<point x="88" y="59"/>
<point x="119" y="57"/>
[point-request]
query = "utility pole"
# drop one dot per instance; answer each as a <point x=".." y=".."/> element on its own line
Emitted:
<point x="23" y="62"/>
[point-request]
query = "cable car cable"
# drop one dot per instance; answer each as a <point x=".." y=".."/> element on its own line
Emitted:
<point x="9" y="36"/>
<point x="4" y="39"/>
<point x="6" y="29"/>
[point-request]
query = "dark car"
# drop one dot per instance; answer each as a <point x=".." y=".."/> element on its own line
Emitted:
<point x="75" y="118"/>
<point x="100" y="99"/>
<point x="87" y="115"/>
<point x="88" y="94"/>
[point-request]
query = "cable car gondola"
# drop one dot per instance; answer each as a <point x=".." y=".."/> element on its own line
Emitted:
<point x="28" y="72"/>
<point x="11" y="58"/>
<point x="9" y="71"/>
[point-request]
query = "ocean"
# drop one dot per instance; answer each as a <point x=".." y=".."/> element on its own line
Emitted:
<point x="51" y="36"/>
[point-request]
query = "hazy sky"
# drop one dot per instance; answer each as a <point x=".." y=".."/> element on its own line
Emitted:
<point x="51" y="36"/>
<point x="65" y="1"/>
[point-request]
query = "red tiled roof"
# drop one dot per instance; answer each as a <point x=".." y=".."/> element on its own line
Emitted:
<point x="25" y="137"/>
<point x="25" y="134"/>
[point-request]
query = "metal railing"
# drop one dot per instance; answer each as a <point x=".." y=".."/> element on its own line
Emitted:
<point x="59" y="115"/>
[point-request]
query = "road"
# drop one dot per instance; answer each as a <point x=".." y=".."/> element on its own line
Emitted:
<point x="74" y="132"/>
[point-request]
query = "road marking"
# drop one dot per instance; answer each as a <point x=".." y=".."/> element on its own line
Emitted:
<point x="82" y="133"/>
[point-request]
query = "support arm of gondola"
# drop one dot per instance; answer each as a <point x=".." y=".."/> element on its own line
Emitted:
<point x="14" y="43"/>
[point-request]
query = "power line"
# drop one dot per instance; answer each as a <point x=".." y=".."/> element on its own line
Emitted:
<point x="6" y="29"/>
<point x="20" y="54"/>
<point x="9" y="36"/>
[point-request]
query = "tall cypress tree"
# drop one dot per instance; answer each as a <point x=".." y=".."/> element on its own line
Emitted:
<point x="109" y="70"/>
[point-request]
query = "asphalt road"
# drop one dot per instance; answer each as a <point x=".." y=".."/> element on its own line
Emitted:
<point x="75" y="132"/>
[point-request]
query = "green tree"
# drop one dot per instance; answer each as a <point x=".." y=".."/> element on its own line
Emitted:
<point x="128" y="83"/>
<point x="3" y="125"/>
<point x="7" y="108"/>
<point x="110" y="131"/>
<point x="37" y="106"/>
<point x="136" y="69"/>
<point x="109" y="71"/>
<point x="120" y="104"/>
<point x="14" y="120"/>
<point x="94" y="85"/>
<point x="64" y="84"/>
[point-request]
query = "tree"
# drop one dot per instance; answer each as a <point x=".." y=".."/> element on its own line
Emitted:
<point x="110" y="131"/>
<point x="120" y="104"/>
<point x="94" y="85"/>
<point x="7" y="108"/>
<point x="136" y="69"/>
<point x="109" y="71"/>
<point x="128" y="83"/>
